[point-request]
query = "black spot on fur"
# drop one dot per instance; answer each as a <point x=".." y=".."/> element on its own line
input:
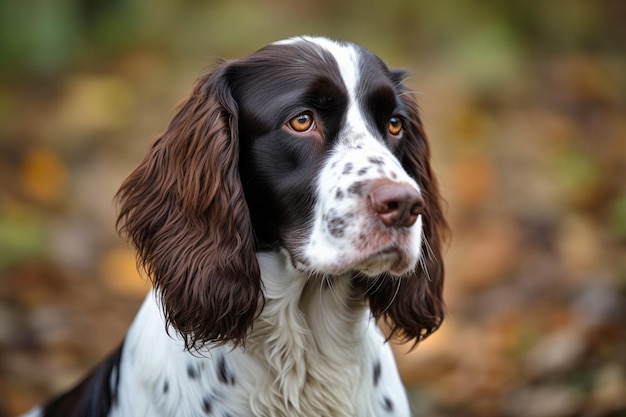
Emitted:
<point x="387" y="404"/>
<point x="207" y="407"/>
<point x="223" y="373"/>
<point x="339" y="194"/>
<point x="336" y="224"/>
<point x="376" y="373"/>
<point x="191" y="372"/>
<point x="356" y="188"/>
<point x="166" y="386"/>
<point x="376" y="160"/>
<point x="347" y="168"/>
<point x="362" y="171"/>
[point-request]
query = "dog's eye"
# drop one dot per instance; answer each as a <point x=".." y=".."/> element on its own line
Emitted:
<point x="394" y="126"/>
<point x="302" y="122"/>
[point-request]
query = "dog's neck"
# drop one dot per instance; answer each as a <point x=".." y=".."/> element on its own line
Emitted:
<point x="325" y="307"/>
<point x="311" y="332"/>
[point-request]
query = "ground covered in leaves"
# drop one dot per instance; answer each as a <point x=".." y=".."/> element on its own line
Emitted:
<point x="528" y="127"/>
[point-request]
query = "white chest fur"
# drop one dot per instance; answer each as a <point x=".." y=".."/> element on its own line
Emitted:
<point x="313" y="351"/>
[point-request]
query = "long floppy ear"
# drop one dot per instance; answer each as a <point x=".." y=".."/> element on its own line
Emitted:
<point x="184" y="210"/>
<point x="412" y="306"/>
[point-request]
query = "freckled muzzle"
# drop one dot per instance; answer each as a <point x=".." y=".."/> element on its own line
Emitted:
<point x="367" y="214"/>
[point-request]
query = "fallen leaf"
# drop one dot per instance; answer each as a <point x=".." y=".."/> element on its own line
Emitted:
<point x="44" y="175"/>
<point x="118" y="270"/>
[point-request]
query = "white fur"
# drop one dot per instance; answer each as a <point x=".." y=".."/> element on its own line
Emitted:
<point x="310" y="353"/>
<point x="35" y="412"/>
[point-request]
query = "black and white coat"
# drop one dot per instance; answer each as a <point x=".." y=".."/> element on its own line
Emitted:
<point x="288" y="208"/>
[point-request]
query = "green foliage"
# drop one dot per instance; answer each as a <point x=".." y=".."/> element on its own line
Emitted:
<point x="618" y="217"/>
<point x="22" y="235"/>
<point x="579" y="175"/>
<point x="42" y="38"/>
<point x="37" y="36"/>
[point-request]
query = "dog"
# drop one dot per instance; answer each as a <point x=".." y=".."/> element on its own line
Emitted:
<point x="288" y="209"/>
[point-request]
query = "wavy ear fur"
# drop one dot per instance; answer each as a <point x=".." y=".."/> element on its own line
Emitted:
<point x="412" y="306"/>
<point x="184" y="210"/>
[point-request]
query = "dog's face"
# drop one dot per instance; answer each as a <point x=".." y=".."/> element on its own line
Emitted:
<point x="309" y="147"/>
<point x="322" y="126"/>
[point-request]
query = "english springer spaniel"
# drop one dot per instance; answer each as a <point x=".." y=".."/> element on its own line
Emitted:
<point x="288" y="208"/>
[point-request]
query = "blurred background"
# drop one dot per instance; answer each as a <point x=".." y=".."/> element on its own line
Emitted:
<point x="525" y="105"/>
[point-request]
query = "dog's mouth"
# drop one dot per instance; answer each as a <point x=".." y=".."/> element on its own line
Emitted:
<point x="392" y="259"/>
<point x="375" y="251"/>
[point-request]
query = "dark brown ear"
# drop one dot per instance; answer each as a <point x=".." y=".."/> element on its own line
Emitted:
<point x="184" y="210"/>
<point x="412" y="306"/>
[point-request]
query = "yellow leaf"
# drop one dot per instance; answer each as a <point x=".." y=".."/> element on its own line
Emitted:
<point x="118" y="270"/>
<point x="44" y="176"/>
<point x="91" y="103"/>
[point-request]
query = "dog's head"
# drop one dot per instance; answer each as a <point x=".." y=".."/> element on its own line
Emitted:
<point x="310" y="147"/>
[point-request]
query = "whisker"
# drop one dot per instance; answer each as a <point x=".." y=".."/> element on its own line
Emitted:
<point x="429" y="250"/>
<point x="378" y="282"/>
<point x="331" y="287"/>
<point x="426" y="254"/>
<point x="395" y="295"/>
<point x="425" y="269"/>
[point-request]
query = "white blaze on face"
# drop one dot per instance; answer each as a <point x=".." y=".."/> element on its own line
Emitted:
<point x="346" y="234"/>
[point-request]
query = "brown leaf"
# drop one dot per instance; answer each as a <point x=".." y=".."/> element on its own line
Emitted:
<point x="44" y="175"/>
<point x="118" y="270"/>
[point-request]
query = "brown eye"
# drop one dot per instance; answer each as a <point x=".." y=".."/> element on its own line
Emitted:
<point x="394" y="126"/>
<point x="302" y="122"/>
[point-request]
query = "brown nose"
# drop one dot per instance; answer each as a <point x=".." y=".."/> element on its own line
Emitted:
<point x="396" y="204"/>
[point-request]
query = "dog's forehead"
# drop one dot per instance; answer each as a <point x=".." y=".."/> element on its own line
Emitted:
<point x="353" y="62"/>
<point x="341" y="51"/>
<point x="285" y="76"/>
<point x="285" y="65"/>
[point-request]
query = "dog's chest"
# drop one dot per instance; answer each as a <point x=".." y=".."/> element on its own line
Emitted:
<point x="310" y="346"/>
